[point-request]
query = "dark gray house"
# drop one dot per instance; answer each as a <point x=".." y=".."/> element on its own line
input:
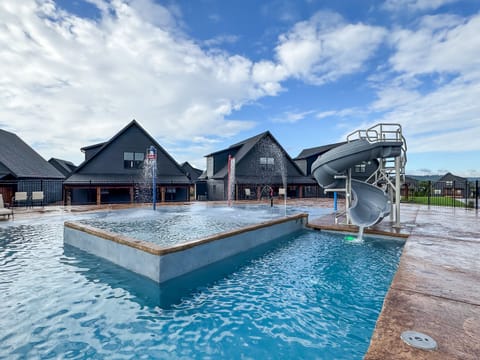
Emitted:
<point x="23" y="169"/>
<point x="262" y="168"/>
<point x="64" y="166"/>
<point x="409" y="187"/>
<point x="306" y="158"/>
<point x="451" y="185"/>
<point x="115" y="171"/>
<point x="193" y="174"/>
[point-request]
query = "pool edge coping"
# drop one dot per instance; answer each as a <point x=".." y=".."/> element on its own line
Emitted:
<point x="156" y="249"/>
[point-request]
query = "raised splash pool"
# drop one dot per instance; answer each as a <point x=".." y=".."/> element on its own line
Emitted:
<point x="311" y="295"/>
<point x="173" y="225"/>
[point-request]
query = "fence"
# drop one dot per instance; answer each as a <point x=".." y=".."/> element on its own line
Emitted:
<point x="463" y="194"/>
<point x="52" y="189"/>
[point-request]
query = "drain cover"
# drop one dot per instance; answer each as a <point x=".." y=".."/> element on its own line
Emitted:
<point x="419" y="340"/>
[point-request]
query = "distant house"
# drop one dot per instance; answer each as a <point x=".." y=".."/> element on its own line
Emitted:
<point x="451" y="185"/>
<point x="409" y="187"/>
<point x="190" y="171"/>
<point x="23" y="169"/>
<point x="262" y="168"/>
<point x="193" y="174"/>
<point x="64" y="166"/>
<point x="114" y="172"/>
<point x="307" y="157"/>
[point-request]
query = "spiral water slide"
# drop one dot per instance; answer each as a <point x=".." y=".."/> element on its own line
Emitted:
<point x="370" y="204"/>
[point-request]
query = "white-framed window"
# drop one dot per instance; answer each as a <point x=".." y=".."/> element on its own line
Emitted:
<point x="267" y="163"/>
<point x="133" y="160"/>
<point x="449" y="183"/>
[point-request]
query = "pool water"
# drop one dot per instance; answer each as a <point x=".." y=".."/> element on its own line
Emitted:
<point x="179" y="224"/>
<point x="311" y="296"/>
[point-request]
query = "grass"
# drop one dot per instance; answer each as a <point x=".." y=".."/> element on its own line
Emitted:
<point x="434" y="200"/>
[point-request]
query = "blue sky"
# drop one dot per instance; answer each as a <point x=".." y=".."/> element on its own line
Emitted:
<point x="200" y="75"/>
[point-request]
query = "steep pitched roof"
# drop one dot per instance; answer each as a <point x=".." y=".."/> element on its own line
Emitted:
<point x="102" y="146"/>
<point x="450" y="177"/>
<point x="244" y="147"/>
<point x="64" y="166"/>
<point x="190" y="171"/>
<point x="21" y="161"/>
<point x="316" y="151"/>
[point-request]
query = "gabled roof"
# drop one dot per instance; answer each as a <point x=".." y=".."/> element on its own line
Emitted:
<point x="244" y="147"/>
<point x="64" y="166"/>
<point x="21" y="161"/>
<point x="190" y="171"/>
<point x="316" y="151"/>
<point x="102" y="146"/>
<point x="450" y="177"/>
<point x="93" y="146"/>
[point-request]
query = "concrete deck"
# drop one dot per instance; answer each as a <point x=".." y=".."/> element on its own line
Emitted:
<point x="436" y="289"/>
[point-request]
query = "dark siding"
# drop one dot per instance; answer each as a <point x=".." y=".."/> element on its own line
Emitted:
<point x="110" y="160"/>
<point x="250" y="164"/>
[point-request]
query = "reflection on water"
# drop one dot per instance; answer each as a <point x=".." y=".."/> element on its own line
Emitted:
<point x="310" y="296"/>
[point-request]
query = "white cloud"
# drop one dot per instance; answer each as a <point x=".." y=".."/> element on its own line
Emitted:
<point x="435" y="86"/>
<point x="292" y="117"/>
<point x="416" y="5"/>
<point x="77" y="81"/>
<point x="325" y="47"/>
<point x="441" y="44"/>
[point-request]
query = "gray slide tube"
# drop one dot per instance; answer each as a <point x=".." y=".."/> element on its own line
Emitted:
<point x="369" y="203"/>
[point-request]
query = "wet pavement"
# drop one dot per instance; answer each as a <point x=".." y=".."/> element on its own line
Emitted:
<point x="436" y="290"/>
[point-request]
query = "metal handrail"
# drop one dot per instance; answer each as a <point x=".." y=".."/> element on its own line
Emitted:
<point x="378" y="132"/>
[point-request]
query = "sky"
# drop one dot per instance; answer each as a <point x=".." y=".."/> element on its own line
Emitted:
<point x="201" y="75"/>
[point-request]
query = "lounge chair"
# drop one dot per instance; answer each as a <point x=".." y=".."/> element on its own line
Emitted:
<point x="20" y="198"/>
<point x="37" y="196"/>
<point x="3" y="210"/>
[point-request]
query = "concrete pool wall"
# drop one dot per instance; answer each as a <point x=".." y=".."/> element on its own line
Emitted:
<point x="161" y="263"/>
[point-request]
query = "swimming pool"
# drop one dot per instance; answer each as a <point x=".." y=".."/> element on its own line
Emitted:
<point x="309" y="296"/>
<point x="175" y="224"/>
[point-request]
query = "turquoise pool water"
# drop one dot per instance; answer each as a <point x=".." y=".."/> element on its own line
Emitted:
<point x="179" y="224"/>
<point x="311" y="296"/>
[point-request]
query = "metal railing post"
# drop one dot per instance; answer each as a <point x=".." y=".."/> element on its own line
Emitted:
<point x="476" y="194"/>
<point x="429" y="190"/>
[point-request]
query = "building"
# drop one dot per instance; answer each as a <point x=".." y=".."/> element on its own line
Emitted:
<point x="451" y="185"/>
<point x="22" y="169"/>
<point x="262" y="168"/>
<point x="409" y="187"/>
<point x="193" y="174"/>
<point x="64" y="166"/>
<point x="118" y="171"/>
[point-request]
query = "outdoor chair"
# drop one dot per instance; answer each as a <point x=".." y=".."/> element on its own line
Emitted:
<point x="3" y="210"/>
<point x="37" y="197"/>
<point x="20" y="198"/>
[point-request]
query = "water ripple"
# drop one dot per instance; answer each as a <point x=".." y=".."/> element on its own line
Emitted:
<point x="314" y="296"/>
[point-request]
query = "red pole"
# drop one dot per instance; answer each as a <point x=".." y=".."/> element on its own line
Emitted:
<point x="228" y="179"/>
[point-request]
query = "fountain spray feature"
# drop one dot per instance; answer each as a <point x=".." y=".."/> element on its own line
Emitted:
<point x="272" y="167"/>
<point x="150" y="172"/>
<point x="231" y="180"/>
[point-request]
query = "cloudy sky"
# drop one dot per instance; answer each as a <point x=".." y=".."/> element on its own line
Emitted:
<point x="200" y="75"/>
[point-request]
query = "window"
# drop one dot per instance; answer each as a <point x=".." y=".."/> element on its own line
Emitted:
<point x="449" y="183"/>
<point x="267" y="163"/>
<point x="360" y="168"/>
<point x="133" y="160"/>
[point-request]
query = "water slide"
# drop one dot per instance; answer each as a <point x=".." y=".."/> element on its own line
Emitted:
<point x="370" y="204"/>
